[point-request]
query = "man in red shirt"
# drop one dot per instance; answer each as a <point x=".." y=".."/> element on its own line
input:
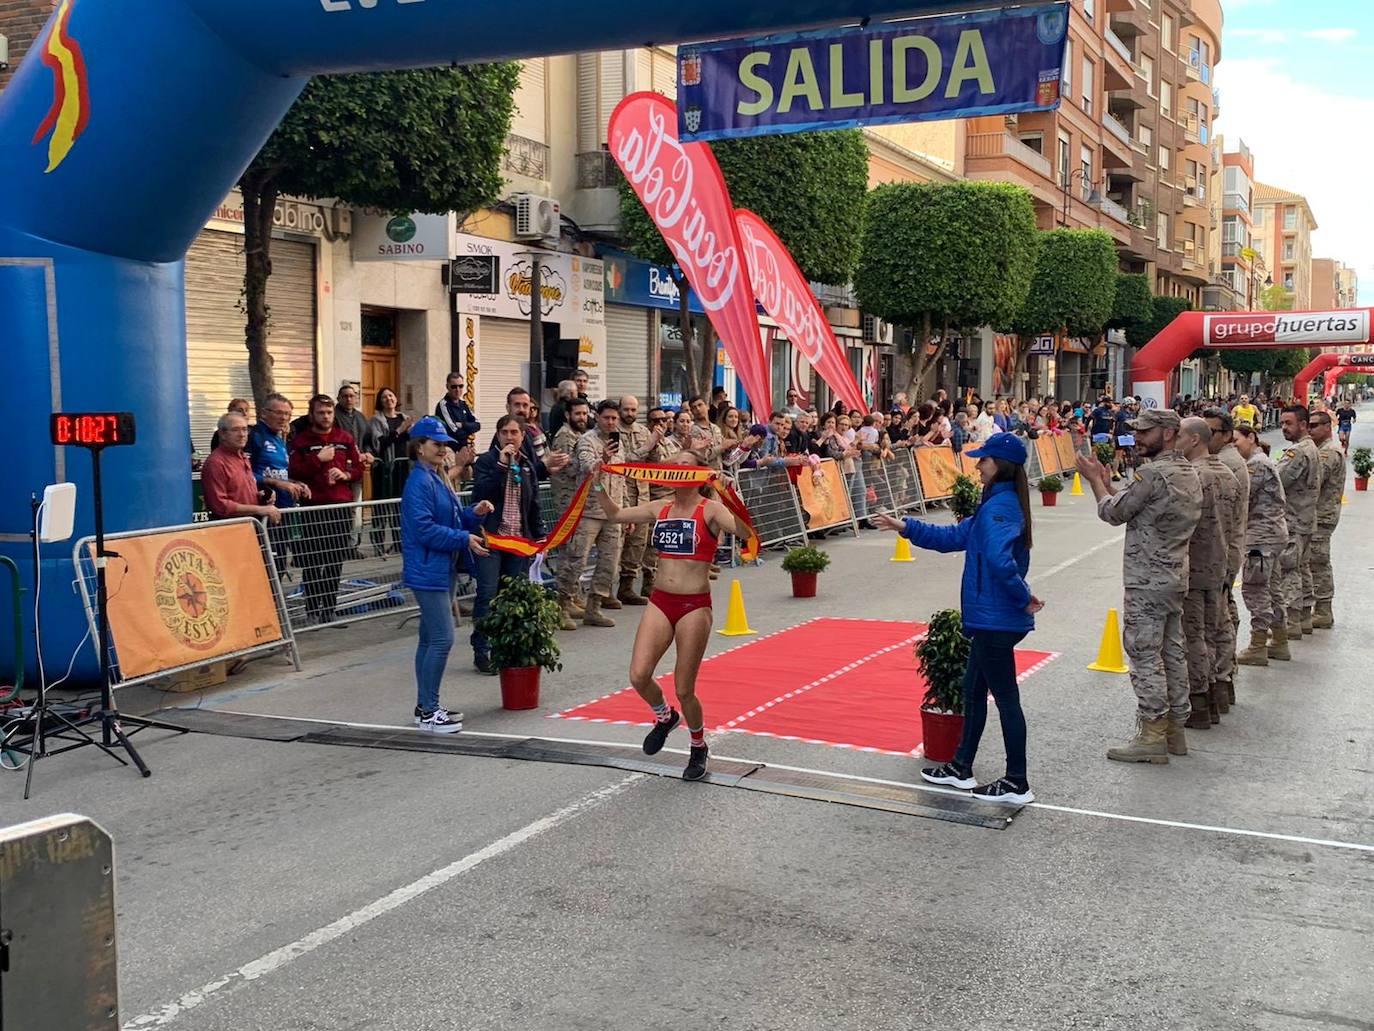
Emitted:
<point x="227" y="478"/>
<point x="326" y="459"/>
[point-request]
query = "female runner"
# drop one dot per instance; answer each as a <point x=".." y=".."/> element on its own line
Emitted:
<point x="685" y="532"/>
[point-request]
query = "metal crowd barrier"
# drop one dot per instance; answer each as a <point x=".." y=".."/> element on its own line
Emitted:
<point x="772" y="502"/>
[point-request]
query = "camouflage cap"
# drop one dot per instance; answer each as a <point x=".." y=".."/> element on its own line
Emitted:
<point x="1152" y="417"/>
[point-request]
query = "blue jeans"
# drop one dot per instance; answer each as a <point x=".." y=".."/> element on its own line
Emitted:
<point x="992" y="668"/>
<point x="490" y="570"/>
<point x="436" y="641"/>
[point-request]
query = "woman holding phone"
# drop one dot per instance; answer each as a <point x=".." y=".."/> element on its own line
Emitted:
<point x="998" y="612"/>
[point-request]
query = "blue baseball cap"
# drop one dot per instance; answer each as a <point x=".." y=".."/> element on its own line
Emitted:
<point x="430" y="428"/>
<point x="1006" y="446"/>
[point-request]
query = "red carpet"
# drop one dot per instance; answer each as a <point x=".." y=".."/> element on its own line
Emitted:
<point x="851" y="683"/>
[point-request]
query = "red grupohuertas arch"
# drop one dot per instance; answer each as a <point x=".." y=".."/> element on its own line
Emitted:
<point x="1156" y="361"/>
<point x="1333" y="365"/>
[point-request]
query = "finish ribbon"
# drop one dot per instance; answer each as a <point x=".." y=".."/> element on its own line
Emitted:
<point x="655" y="475"/>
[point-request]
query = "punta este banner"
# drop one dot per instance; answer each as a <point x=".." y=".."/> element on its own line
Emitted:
<point x="787" y="298"/>
<point x="683" y="190"/>
<point x="956" y="66"/>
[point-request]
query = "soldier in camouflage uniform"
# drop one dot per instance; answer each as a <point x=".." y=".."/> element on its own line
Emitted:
<point x="564" y="483"/>
<point x="1266" y="535"/>
<point x="1160" y="508"/>
<point x="1205" y="620"/>
<point x="594" y="449"/>
<point x="664" y="452"/>
<point x="1224" y="447"/>
<point x="1300" y="471"/>
<point x="637" y="441"/>
<point x="1328" y="515"/>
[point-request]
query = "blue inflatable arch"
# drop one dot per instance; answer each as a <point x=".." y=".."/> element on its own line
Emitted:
<point x="127" y="123"/>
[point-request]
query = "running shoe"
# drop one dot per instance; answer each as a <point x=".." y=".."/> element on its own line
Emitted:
<point x="950" y="775"/>
<point x="453" y="714"/>
<point x="696" y="763"/>
<point x="438" y="722"/>
<point x="1004" y="792"/>
<point x="653" y="741"/>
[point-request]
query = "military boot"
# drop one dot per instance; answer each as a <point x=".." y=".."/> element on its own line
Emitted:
<point x="594" y="616"/>
<point x="1199" y="718"/>
<point x="1258" y="652"/>
<point x="577" y="605"/>
<point x="1149" y="745"/>
<point x="1231" y="691"/>
<point x="1307" y="625"/>
<point x="1294" y="625"/>
<point x="1278" y="645"/>
<point x="608" y="601"/>
<point x="1175" y="738"/>
<point x="646" y="587"/>
<point x="627" y="594"/>
<point x="1322" y="617"/>
<point x="1221" y="699"/>
<point x="565" y="618"/>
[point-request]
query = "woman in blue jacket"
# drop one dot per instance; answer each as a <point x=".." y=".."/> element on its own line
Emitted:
<point x="998" y="611"/>
<point x="434" y="528"/>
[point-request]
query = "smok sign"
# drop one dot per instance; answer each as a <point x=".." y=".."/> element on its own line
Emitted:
<point x="1288" y="327"/>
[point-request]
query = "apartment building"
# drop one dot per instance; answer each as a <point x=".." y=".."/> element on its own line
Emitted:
<point x="1347" y="287"/>
<point x="1283" y="224"/>
<point x="1243" y="271"/>
<point x="1333" y="285"/>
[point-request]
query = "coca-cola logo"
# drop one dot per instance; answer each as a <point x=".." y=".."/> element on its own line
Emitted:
<point x="799" y="316"/>
<point x="665" y="174"/>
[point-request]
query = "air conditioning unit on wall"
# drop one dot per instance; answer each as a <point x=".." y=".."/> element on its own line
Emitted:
<point x="537" y="218"/>
<point x="876" y="331"/>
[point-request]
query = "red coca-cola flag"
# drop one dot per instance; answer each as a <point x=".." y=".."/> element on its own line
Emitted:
<point x="787" y="298"/>
<point x="683" y="190"/>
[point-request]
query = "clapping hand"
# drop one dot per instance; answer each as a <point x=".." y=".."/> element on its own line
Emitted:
<point x="483" y="508"/>
<point x="476" y="546"/>
<point x="883" y="521"/>
<point x="1090" y="468"/>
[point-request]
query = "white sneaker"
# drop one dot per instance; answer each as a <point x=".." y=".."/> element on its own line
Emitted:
<point x="439" y="722"/>
<point x="453" y="714"/>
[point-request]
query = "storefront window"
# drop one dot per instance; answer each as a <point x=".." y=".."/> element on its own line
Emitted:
<point x="673" y="384"/>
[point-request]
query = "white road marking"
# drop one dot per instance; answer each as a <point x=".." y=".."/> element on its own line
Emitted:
<point x="931" y="788"/>
<point x="279" y="958"/>
<point x="1076" y="559"/>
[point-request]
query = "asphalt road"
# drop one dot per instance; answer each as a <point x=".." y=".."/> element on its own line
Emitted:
<point x="299" y="887"/>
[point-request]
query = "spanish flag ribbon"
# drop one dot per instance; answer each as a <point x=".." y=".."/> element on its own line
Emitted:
<point x="658" y="476"/>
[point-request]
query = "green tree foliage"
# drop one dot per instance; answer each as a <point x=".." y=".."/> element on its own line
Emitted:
<point x="1288" y="362"/>
<point x="1163" y="310"/>
<point x="946" y="256"/>
<point x="429" y="140"/>
<point x="1132" y="301"/>
<point x="1074" y="289"/>
<point x="1276" y="298"/>
<point x="1279" y="363"/>
<point x="809" y="187"/>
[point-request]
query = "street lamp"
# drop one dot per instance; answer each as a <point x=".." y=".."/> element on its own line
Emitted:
<point x="1094" y="199"/>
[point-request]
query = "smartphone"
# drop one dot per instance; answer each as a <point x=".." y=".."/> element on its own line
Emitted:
<point x="615" y="437"/>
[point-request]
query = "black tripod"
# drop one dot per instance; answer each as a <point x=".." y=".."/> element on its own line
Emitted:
<point x="49" y="722"/>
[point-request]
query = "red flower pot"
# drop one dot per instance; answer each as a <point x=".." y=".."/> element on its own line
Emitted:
<point x="1049" y="498"/>
<point x="520" y="688"/>
<point x="941" y="733"/>
<point x="1361" y="482"/>
<point x="804" y="585"/>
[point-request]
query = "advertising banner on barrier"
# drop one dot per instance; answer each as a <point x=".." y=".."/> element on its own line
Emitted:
<point x="823" y="495"/>
<point x="937" y="470"/>
<point x="1049" y="454"/>
<point x="683" y="189"/>
<point x="189" y="597"/>
<point x="955" y="66"/>
<point x="1064" y="446"/>
<point x="787" y="298"/>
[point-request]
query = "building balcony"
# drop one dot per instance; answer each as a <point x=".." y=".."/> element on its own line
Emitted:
<point x="526" y="157"/>
<point x="1236" y="202"/>
<point x="1129" y="23"/>
<point x="1001" y="157"/>
<point x="1116" y="211"/>
<point x="1133" y="94"/>
<point x="1119" y="69"/>
<point x="1195" y="194"/>
<point x="1116" y="142"/>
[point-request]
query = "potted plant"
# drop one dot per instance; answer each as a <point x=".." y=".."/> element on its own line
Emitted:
<point x="804" y="564"/>
<point x="964" y="500"/>
<point x="1049" y="488"/>
<point x="1363" y="461"/>
<point x="942" y="658"/>
<point x="522" y="627"/>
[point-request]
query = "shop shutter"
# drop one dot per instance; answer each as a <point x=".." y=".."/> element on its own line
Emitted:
<point x="505" y="347"/>
<point x="529" y="120"/>
<point x="216" y="358"/>
<point x="600" y="87"/>
<point x="627" y="352"/>
<point x="665" y="71"/>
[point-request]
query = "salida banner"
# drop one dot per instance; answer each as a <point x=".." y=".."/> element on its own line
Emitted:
<point x="683" y="190"/>
<point x="956" y="66"/>
<point x="787" y="298"/>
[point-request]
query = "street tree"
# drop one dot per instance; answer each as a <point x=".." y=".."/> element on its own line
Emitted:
<point x="1276" y="298"/>
<point x="1132" y="302"/>
<point x="430" y="140"/>
<point x="809" y="187"/>
<point x="1074" y="289"/>
<point x="941" y="258"/>
<point x="1163" y="310"/>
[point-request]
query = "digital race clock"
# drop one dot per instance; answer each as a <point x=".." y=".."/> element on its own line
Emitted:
<point x="92" y="429"/>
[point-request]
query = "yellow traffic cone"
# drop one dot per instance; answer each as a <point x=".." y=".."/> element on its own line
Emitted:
<point x="1109" y="656"/>
<point x="902" y="552"/>
<point x="736" y="621"/>
<point x="1344" y="500"/>
<point x="1077" y="490"/>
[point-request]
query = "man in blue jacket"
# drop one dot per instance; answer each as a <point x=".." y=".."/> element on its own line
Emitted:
<point x="998" y="611"/>
<point x="455" y="413"/>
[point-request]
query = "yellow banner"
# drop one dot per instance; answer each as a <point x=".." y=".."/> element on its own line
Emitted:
<point x="190" y="597"/>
